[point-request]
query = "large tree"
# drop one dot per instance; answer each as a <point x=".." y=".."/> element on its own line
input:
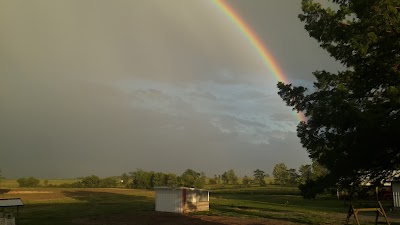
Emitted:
<point x="353" y="116"/>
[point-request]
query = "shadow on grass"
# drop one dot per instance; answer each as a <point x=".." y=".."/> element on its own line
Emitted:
<point x="4" y="191"/>
<point x="256" y="212"/>
<point x="147" y="218"/>
<point x="102" y="207"/>
<point x="103" y="197"/>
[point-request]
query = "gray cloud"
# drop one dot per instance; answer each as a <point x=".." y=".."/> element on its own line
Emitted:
<point x="94" y="87"/>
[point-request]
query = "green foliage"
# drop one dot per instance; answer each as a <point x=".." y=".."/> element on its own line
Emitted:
<point x="146" y="180"/>
<point x="353" y="116"/>
<point x="247" y="181"/>
<point x="91" y="181"/>
<point x="191" y="178"/>
<point x="305" y="173"/>
<point x="311" y="188"/>
<point x="280" y="173"/>
<point x="229" y="177"/>
<point x="157" y="179"/>
<point x="125" y="179"/>
<point x="108" y="182"/>
<point x="293" y="176"/>
<point x="312" y="172"/>
<point x="171" y="180"/>
<point x="141" y="179"/>
<point x="259" y="177"/>
<point x="28" y="182"/>
<point x="213" y="180"/>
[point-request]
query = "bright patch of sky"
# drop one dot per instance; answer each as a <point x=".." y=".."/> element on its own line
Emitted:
<point x="248" y="110"/>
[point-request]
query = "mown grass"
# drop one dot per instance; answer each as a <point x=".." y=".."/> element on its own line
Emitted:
<point x="66" y="205"/>
<point x="284" y="203"/>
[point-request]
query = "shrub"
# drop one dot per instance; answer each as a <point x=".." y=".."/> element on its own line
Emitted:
<point x="28" y="182"/>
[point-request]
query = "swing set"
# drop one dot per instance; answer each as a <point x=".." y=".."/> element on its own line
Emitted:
<point x="378" y="210"/>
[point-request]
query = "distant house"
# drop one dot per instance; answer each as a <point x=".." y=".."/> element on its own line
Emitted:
<point x="181" y="199"/>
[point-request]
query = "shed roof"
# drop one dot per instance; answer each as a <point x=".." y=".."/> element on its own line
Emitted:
<point x="11" y="202"/>
<point x="178" y="188"/>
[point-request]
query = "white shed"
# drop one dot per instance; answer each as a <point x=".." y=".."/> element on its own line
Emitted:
<point x="181" y="199"/>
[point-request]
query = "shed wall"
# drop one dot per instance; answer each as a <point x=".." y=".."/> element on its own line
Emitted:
<point x="396" y="194"/>
<point x="197" y="200"/>
<point x="169" y="201"/>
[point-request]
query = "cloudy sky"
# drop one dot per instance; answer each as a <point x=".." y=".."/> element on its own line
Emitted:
<point x="105" y="87"/>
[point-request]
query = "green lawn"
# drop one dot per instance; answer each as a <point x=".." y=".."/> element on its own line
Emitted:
<point x="66" y="205"/>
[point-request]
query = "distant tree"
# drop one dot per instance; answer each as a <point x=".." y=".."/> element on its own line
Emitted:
<point x="259" y="177"/>
<point x="305" y="173"/>
<point x="157" y="179"/>
<point x="233" y="179"/>
<point x="312" y="180"/>
<point x="171" y="180"/>
<point x="213" y="180"/>
<point x="125" y="179"/>
<point x="318" y="170"/>
<point x="141" y="179"/>
<point x="281" y="174"/>
<point x="46" y="182"/>
<point x="201" y="181"/>
<point x="311" y="188"/>
<point x="191" y="178"/>
<point x="246" y="180"/>
<point x="224" y="178"/>
<point x="108" y="182"/>
<point x="293" y="176"/>
<point x="28" y="182"/>
<point x="91" y="181"/>
<point x="229" y="177"/>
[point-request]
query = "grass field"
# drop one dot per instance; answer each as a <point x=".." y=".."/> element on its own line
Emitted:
<point x="276" y="203"/>
<point x="12" y="183"/>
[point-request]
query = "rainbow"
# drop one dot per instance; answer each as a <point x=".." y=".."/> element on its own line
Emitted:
<point x="255" y="41"/>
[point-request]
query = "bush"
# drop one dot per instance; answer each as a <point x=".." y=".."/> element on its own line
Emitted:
<point x="310" y="189"/>
<point x="28" y="182"/>
<point x="108" y="182"/>
<point x="91" y="181"/>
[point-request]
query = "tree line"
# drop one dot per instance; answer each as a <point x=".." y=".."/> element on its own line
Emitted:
<point x="85" y="182"/>
<point x="141" y="179"/>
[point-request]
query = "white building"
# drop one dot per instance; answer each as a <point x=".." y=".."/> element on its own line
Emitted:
<point x="181" y="199"/>
<point x="396" y="193"/>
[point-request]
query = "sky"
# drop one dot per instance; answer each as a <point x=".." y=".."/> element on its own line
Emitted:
<point x="106" y="87"/>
